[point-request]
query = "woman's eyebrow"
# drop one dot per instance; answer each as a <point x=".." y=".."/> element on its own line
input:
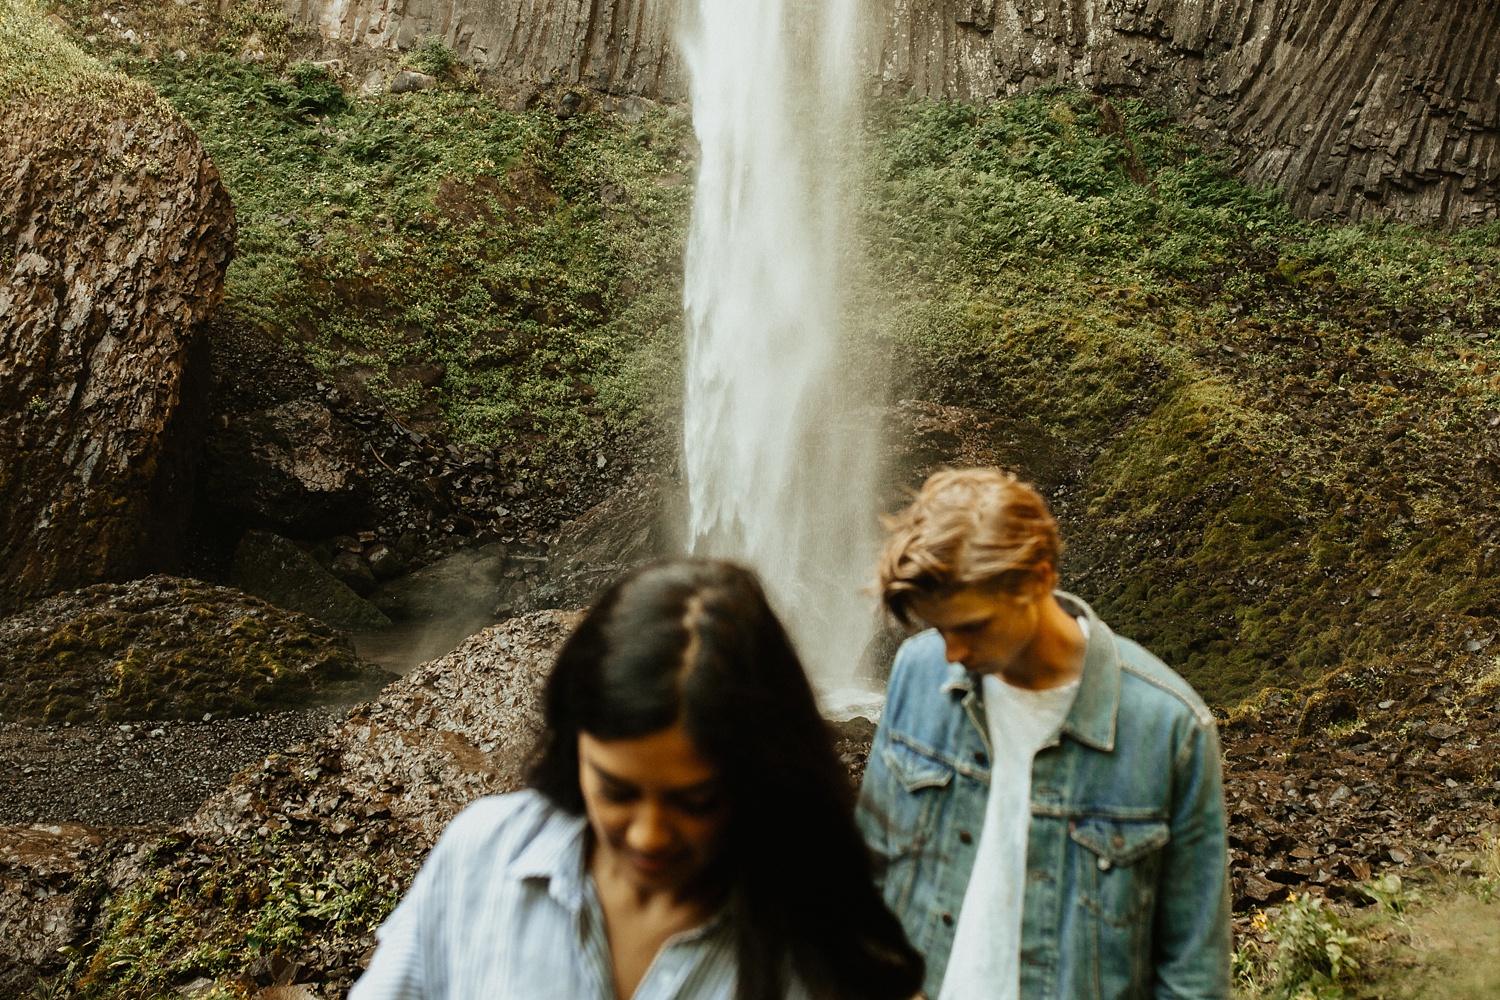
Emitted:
<point x="708" y="785"/>
<point x="611" y="778"/>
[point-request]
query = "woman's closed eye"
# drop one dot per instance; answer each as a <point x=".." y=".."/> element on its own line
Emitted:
<point x="698" y="802"/>
<point x="618" y="791"/>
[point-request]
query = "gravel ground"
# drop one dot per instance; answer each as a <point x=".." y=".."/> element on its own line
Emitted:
<point x="140" y="773"/>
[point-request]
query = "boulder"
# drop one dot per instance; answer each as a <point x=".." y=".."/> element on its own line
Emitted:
<point x="115" y="232"/>
<point x="465" y="585"/>
<point x="407" y="81"/>
<point x="276" y="570"/>
<point x="594" y="549"/>
<point x="168" y="648"/>
<point x="293" y="467"/>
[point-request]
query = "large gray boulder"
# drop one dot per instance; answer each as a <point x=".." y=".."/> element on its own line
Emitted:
<point x="115" y="232"/>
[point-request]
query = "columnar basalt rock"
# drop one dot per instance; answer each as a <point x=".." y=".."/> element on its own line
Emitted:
<point x="618" y="46"/>
<point x="1354" y="108"/>
<point x="115" y="232"/>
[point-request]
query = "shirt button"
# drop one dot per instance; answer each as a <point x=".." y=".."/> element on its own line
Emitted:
<point x="965" y="837"/>
<point x="947" y="918"/>
<point x="979" y="756"/>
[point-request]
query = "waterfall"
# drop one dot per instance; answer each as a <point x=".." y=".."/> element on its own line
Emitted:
<point x="779" y="461"/>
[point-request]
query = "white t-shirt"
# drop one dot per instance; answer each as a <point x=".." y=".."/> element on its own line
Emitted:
<point x="985" y="963"/>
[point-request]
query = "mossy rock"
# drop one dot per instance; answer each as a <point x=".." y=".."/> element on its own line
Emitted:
<point x="168" y="648"/>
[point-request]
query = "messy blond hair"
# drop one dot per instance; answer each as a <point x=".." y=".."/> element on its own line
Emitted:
<point x="966" y="528"/>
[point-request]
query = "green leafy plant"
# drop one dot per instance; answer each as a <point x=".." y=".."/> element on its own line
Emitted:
<point x="1310" y="951"/>
<point x="432" y="57"/>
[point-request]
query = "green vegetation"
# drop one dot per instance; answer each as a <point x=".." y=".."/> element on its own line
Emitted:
<point x="270" y="894"/>
<point x="1272" y="440"/>
<point x="37" y="62"/>
<point x="1437" y="939"/>
<point x="1270" y="427"/>
<point x="513" y="276"/>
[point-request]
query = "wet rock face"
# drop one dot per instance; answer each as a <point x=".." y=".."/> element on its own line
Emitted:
<point x="276" y="570"/>
<point x="294" y="466"/>
<point x="1386" y="109"/>
<point x="166" y="648"/>
<point x="618" y="46"/>
<point x="115" y="232"/>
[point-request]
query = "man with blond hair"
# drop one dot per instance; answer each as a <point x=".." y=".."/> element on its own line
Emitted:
<point x="1044" y="796"/>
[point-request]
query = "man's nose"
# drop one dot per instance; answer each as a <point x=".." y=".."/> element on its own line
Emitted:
<point x="648" y="832"/>
<point x="957" y="650"/>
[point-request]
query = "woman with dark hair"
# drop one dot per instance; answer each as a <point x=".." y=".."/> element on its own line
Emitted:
<point x="688" y="833"/>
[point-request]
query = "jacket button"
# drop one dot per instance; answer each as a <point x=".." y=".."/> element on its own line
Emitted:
<point x="947" y="919"/>
<point x="965" y="837"/>
<point x="1118" y="840"/>
<point x="979" y="756"/>
<point x="1105" y="864"/>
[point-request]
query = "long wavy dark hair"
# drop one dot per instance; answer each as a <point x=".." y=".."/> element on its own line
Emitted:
<point x="695" y="641"/>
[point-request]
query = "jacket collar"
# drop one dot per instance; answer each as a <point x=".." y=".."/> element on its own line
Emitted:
<point x="1091" y="720"/>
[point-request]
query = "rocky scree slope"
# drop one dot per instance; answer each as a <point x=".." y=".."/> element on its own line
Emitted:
<point x="115" y="233"/>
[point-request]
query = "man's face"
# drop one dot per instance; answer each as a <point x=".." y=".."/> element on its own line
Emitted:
<point x="987" y="630"/>
<point x="657" y="807"/>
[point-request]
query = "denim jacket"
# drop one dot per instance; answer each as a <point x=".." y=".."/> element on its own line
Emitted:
<point x="1127" y="885"/>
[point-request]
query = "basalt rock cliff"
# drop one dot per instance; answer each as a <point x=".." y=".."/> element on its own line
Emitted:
<point x="1354" y="108"/>
<point x="115" y="232"/>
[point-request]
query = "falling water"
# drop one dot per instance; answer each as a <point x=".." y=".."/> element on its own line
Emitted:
<point x="779" y="464"/>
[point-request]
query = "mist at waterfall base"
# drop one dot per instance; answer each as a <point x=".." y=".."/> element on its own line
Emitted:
<point x="780" y="460"/>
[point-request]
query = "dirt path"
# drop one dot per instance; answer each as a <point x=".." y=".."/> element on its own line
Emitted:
<point x="139" y="774"/>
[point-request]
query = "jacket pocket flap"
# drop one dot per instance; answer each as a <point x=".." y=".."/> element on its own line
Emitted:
<point x="1121" y="843"/>
<point x="915" y="771"/>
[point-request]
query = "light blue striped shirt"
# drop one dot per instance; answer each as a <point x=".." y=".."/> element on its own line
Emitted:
<point x="504" y="908"/>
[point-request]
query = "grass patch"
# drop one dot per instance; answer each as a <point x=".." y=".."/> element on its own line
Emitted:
<point x="1435" y="937"/>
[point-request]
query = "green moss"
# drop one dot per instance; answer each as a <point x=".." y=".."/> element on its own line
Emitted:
<point x="277" y="892"/>
<point x="1266" y="418"/>
<point x="38" y="63"/>
<point x="177" y="652"/>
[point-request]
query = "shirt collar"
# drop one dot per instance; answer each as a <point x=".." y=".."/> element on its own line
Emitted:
<point x="1092" y="718"/>
<point x="556" y="855"/>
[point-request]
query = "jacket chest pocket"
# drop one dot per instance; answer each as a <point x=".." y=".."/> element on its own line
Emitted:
<point x="920" y="781"/>
<point x="1119" y="865"/>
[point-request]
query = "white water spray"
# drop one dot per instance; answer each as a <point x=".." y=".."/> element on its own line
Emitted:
<point x="779" y="464"/>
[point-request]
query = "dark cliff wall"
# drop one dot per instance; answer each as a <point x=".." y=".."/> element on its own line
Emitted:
<point x="115" y="232"/>
<point x="1355" y="108"/>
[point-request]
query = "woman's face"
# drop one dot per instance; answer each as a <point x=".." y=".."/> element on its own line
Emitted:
<point x="657" y="807"/>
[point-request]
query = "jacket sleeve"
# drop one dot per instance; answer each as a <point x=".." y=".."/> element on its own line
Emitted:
<point x="874" y="803"/>
<point x="878" y="788"/>
<point x="1192" y="936"/>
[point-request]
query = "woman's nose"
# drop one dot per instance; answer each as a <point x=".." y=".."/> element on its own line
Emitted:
<point x="648" y="830"/>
